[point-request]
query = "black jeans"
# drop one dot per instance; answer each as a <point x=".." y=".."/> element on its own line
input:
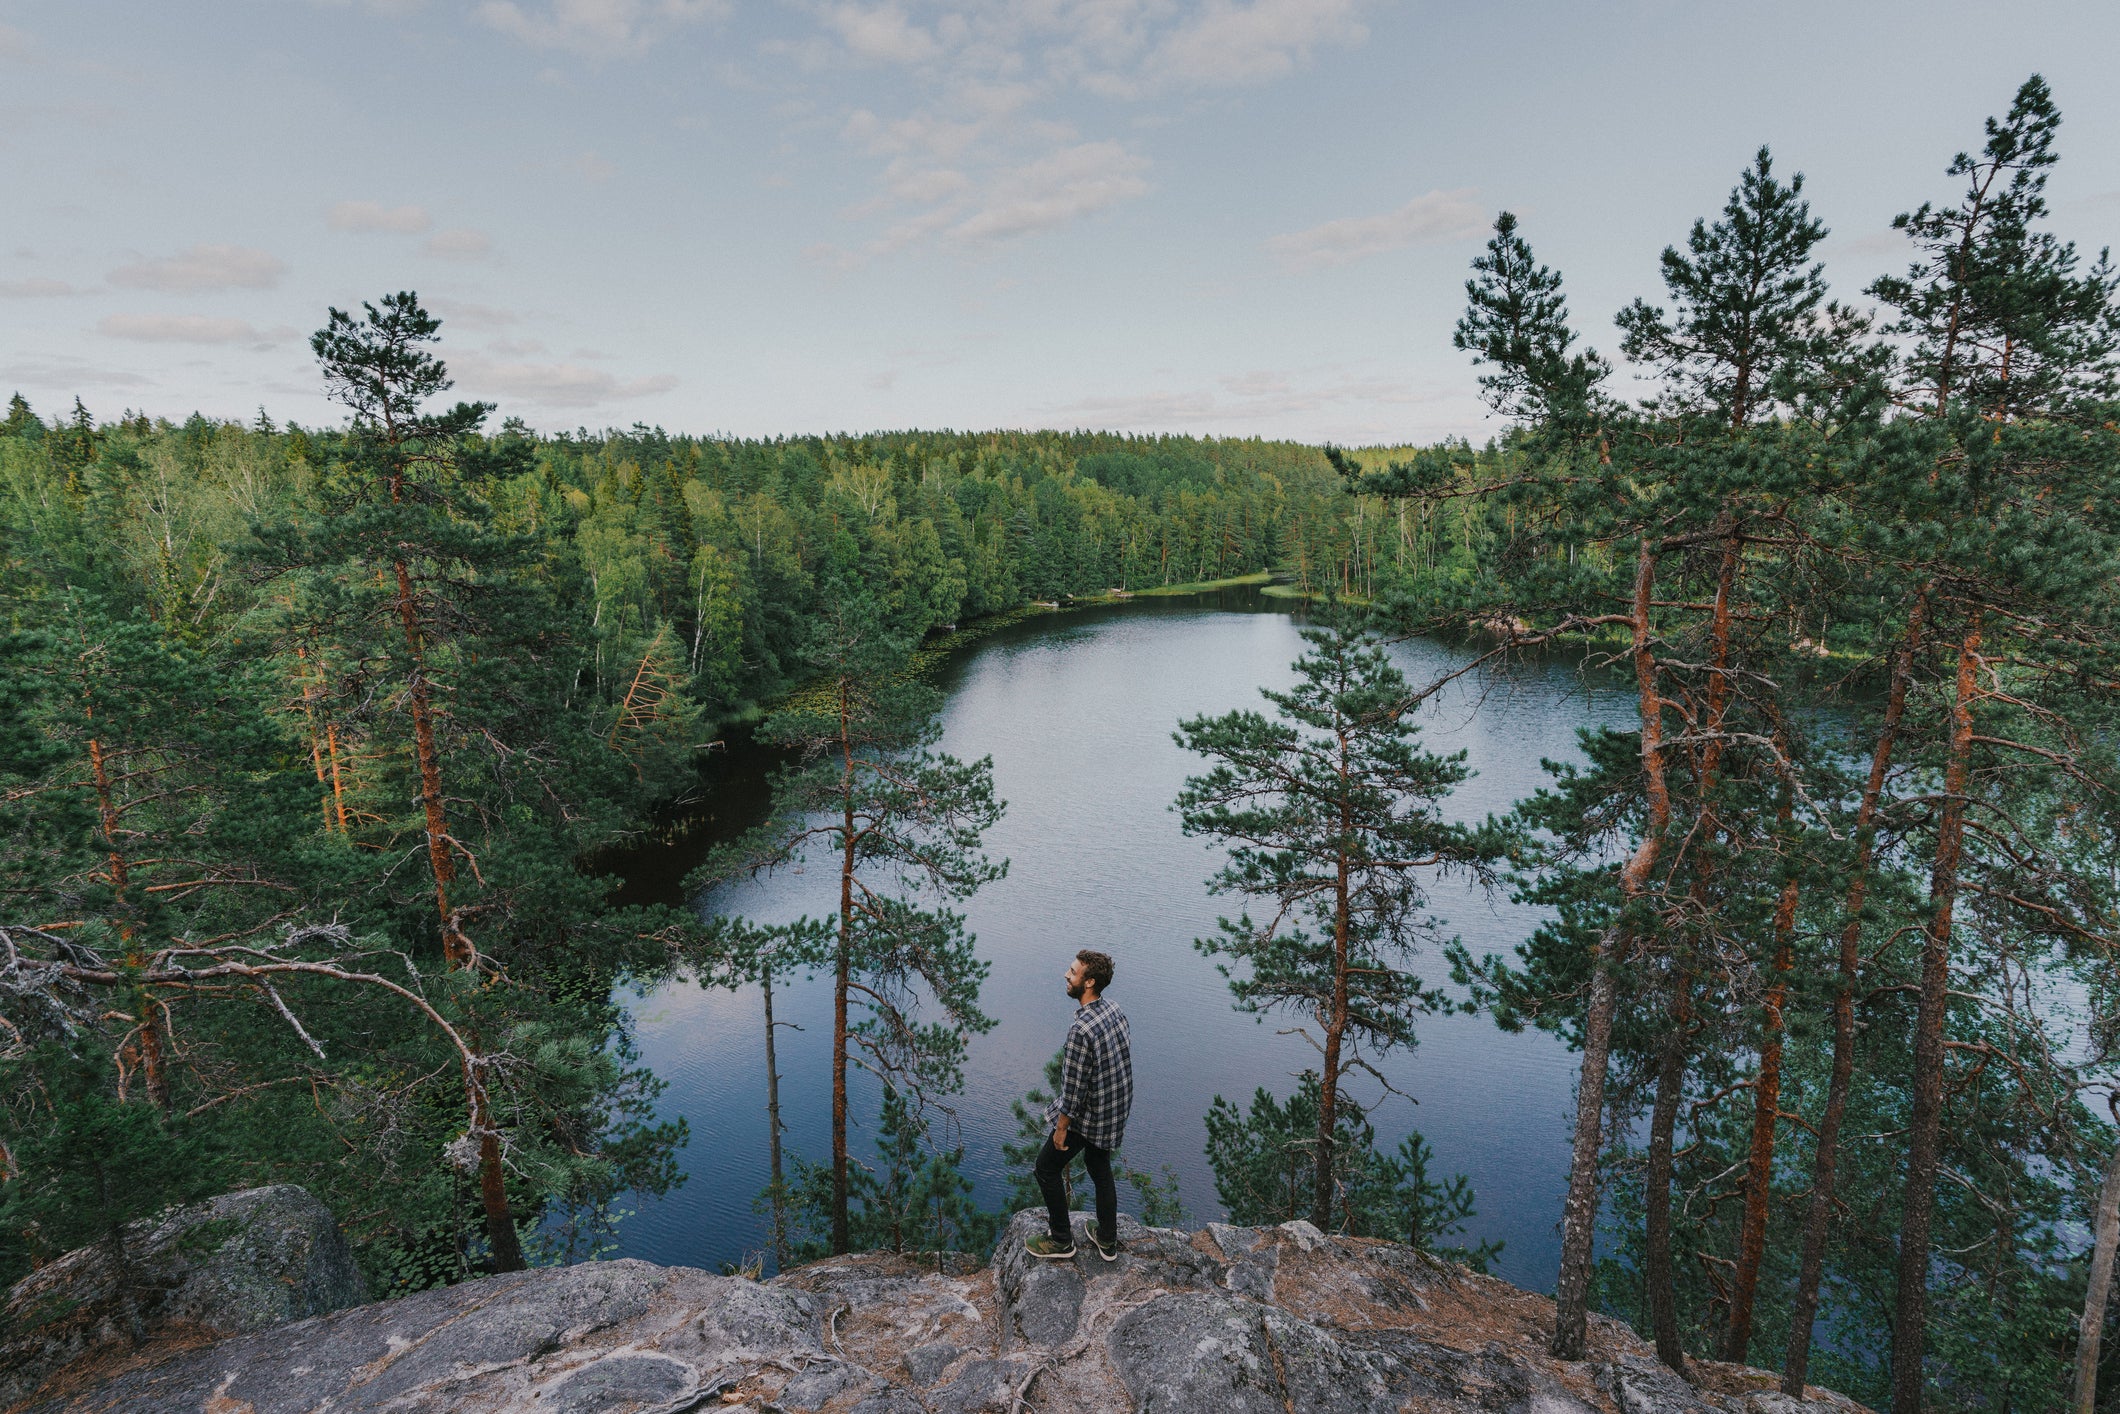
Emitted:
<point x="1052" y="1182"/>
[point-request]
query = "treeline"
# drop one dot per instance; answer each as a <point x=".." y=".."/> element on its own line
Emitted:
<point x="1834" y="925"/>
<point x="308" y="738"/>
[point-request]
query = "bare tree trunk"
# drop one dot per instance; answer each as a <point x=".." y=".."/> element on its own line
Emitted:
<point x="119" y="876"/>
<point x="1571" y="1310"/>
<point x="1766" y="1115"/>
<point x="1803" y="1310"/>
<point x="1657" y="1273"/>
<point x="843" y="964"/>
<point x="1335" y="1028"/>
<point x="456" y="948"/>
<point x="2091" y="1330"/>
<point x="1910" y="1303"/>
<point x="338" y="790"/>
<point x="779" y="1187"/>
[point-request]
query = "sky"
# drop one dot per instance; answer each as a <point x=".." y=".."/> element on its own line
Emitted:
<point x="764" y="217"/>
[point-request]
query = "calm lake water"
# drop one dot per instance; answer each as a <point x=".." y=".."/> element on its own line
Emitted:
<point x="1077" y="711"/>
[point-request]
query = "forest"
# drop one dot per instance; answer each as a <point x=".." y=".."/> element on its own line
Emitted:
<point x="312" y="739"/>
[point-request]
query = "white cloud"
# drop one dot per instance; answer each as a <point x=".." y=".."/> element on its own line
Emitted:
<point x="37" y="287"/>
<point x="459" y="243"/>
<point x="180" y="329"/>
<point x="1231" y="42"/>
<point x="1055" y="189"/>
<point x="596" y="28"/>
<point x="205" y="267"/>
<point x="552" y="385"/>
<point x="374" y="216"/>
<point x="1431" y="218"/>
<point x="881" y="33"/>
<point x="974" y="155"/>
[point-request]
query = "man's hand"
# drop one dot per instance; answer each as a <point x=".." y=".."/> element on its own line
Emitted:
<point x="1060" y="1134"/>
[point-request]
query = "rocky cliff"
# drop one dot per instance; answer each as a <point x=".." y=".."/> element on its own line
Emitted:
<point x="1224" y="1321"/>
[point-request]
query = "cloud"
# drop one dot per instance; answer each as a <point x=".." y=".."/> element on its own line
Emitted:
<point x="1229" y="42"/>
<point x="882" y="34"/>
<point x="1071" y="183"/>
<point x="36" y="288"/>
<point x="1432" y="218"/>
<point x="15" y="43"/>
<point x="204" y="267"/>
<point x="594" y="28"/>
<point x="374" y="216"/>
<point x="182" y="329"/>
<point x="552" y="385"/>
<point x="459" y="243"/>
<point x="477" y="317"/>
<point x="70" y="373"/>
<point x="975" y="155"/>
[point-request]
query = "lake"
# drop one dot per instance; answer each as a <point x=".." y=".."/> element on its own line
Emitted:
<point x="1077" y="711"/>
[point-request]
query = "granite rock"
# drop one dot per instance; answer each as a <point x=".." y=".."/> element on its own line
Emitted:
<point x="239" y="1262"/>
<point x="1281" y="1320"/>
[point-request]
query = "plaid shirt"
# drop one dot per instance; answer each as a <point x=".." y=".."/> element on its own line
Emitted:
<point x="1096" y="1076"/>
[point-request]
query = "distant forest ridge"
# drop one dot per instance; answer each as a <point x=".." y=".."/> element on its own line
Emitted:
<point x="710" y="546"/>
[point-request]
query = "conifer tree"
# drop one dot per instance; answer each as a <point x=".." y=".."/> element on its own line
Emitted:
<point x="1331" y="814"/>
<point x="1740" y="339"/>
<point x="2009" y="364"/>
<point x="902" y="824"/>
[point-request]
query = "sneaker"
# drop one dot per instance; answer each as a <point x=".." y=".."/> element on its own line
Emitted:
<point x="1109" y="1254"/>
<point x="1049" y="1247"/>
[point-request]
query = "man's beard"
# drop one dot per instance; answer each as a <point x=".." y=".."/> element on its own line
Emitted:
<point x="1076" y="990"/>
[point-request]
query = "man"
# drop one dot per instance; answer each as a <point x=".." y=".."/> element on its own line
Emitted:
<point x="1089" y="1114"/>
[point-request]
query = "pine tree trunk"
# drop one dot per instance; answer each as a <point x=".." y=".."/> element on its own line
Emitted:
<point x="338" y="790"/>
<point x="1910" y="1303"/>
<point x="1571" y="1293"/>
<point x="1658" y="1274"/>
<point x="119" y="876"/>
<point x="843" y="964"/>
<point x="1571" y="1296"/>
<point x="1659" y="1271"/>
<point x="1803" y="1309"/>
<point x="2090" y="1332"/>
<point x="1766" y="1115"/>
<point x="1335" y="1025"/>
<point x="456" y="948"/>
<point x="779" y="1187"/>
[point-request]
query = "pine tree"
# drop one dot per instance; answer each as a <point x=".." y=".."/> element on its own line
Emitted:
<point x="902" y="823"/>
<point x="2010" y="361"/>
<point x="1331" y="814"/>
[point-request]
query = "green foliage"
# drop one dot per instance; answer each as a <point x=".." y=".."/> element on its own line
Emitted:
<point x="1263" y="1159"/>
<point x="1331" y="816"/>
<point x="914" y="1199"/>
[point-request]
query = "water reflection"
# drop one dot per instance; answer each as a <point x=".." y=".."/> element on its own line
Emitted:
<point x="1077" y="712"/>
